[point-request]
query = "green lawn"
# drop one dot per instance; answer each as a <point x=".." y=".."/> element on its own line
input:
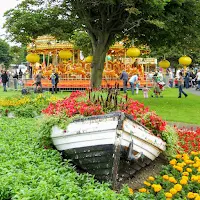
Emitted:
<point x="169" y="107"/>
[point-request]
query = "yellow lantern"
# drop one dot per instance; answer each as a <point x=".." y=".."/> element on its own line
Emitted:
<point x="164" y="64"/>
<point x="65" y="54"/>
<point x="185" y="60"/>
<point x="89" y="59"/>
<point x="133" y="52"/>
<point x="33" y="58"/>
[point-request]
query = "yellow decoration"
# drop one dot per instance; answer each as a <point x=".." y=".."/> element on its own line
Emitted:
<point x="32" y="58"/>
<point x="89" y="59"/>
<point x="164" y="64"/>
<point x="65" y="54"/>
<point x="185" y="60"/>
<point x="133" y="52"/>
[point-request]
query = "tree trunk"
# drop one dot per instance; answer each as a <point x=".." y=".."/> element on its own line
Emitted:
<point x="99" y="53"/>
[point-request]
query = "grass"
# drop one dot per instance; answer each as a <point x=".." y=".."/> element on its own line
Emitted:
<point x="170" y="108"/>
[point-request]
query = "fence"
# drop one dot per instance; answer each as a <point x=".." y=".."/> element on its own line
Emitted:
<point x="69" y="84"/>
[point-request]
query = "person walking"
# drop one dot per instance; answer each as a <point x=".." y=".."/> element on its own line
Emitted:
<point x="198" y="79"/>
<point x="132" y="82"/>
<point x="181" y="84"/>
<point x="4" y="78"/>
<point x="124" y="77"/>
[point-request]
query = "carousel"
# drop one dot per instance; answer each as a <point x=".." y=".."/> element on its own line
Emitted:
<point x="74" y="69"/>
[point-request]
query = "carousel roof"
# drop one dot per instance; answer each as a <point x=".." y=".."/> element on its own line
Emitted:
<point x="48" y="43"/>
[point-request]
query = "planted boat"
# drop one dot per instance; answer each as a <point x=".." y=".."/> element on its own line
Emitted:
<point x="111" y="146"/>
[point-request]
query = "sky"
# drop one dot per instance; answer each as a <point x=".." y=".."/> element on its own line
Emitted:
<point x="6" y="5"/>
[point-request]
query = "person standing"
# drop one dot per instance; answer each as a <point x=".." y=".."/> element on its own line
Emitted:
<point x="53" y="81"/>
<point x="132" y="82"/>
<point x="187" y="79"/>
<point x="15" y="77"/>
<point x="38" y="79"/>
<point x="181" y="84"/>
<point x="124" y="77"/>
<point x="56" y="82"/>
<point x="4" y="78"/>
<point x="145" y="91"/>
<point x="171" y="78"/>
<point x="198" y="79"/>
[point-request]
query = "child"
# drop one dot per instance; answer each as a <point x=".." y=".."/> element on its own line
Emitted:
<point x="145" y="91"/>
<point x="137" y="85"/>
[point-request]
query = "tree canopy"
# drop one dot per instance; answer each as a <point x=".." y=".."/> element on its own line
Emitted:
<point x="5" y="57"/>
<point x="152" y="22"/>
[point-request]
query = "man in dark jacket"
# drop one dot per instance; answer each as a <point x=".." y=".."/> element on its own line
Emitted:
<point x="4" y="78"/>
<point x="56" y="82"/>
<point x="124" y="77"/>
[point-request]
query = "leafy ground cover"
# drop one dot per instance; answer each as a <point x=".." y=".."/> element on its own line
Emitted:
<point x="30" y="172"/>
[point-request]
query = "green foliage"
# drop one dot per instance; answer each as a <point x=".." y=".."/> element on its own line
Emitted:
<point x="5" y="57"/>
<point x="82" y="41"/>
<point x="46" y="124"/>
<point x="31" y="172"/>
<point x="18" y="54"/>
<point x="170" y="136"/>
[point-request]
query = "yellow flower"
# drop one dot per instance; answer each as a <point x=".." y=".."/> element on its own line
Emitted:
<point x="189" y="170"/>
<point x="168" y="195"/>
<point x="165" y="177"/>
<point x="130" y="190"/>
<point x="173" y="191"/>
<point x="185" y="177"/>
<point x="185" y="173"/>
<point x="194" y="178"/>
<point x="194" y="153"/>
<point x="147" y="183"/>
<point x="178" y="187"/>
<point x="173" y="162"/>
<point x="178" y="156"/>
<point x="172" y="180"/>
<point x="151" y="178"/>
<point x="190" y="195"/>
<point x="142" y="190"/>
<point x="197" y="198"/>
<point x="183" y="182"/>
<point x="157" y="188"/>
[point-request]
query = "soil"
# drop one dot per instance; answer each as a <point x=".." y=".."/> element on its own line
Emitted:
<point x="142" y="175"/>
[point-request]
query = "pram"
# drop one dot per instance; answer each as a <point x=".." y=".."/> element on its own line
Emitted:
<point x="158" y="88"/>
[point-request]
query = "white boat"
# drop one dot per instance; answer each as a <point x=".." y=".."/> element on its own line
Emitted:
<point x="110" y="146"/>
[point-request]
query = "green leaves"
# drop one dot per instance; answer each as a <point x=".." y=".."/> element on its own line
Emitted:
<point x="28" y="171"/>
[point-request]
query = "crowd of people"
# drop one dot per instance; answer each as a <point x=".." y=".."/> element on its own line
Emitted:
<point x="181" y="79"/>
<point x="18" y="78"/>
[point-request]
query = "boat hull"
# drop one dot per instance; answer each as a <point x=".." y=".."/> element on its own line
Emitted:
<point x="100" y="145"/>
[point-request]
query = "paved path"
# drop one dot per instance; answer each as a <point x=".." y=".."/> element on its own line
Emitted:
<point x="184" y="125"/>
<point x="193" y="91"/>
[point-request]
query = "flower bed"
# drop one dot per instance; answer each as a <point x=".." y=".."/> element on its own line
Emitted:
<point x="189" y="139"/>
<point x="25" y="106"/>
<point x="178" y="180"/>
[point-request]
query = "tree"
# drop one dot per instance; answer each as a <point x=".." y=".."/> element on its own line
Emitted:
<point x="152" y="22"/>
<point x="18" y="54"/>
<point x="5" y="57"/>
